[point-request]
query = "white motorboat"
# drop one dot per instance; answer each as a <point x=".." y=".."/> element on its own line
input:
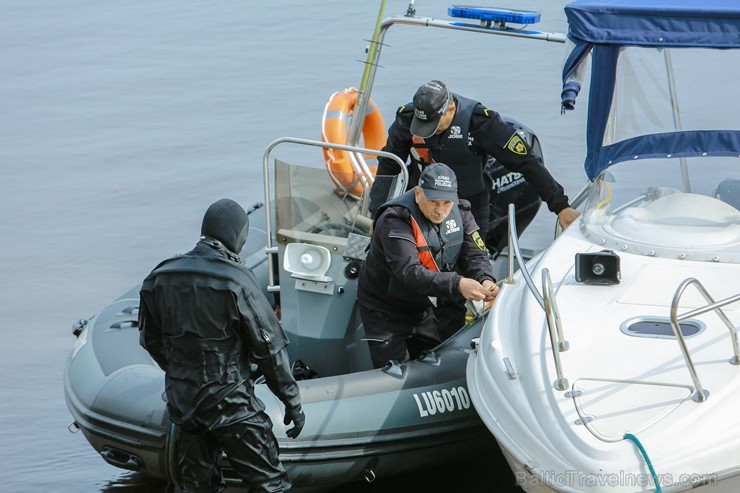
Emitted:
<point x="610" y="361"/>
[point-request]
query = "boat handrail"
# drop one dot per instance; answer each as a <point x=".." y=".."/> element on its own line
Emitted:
<point x="547" y="300"/>
<point x="515" y="251"/>
<point x="700" y="394"/>
<point x="376" y="44"/>
<point x="551" y="298"/>
<point x="270" y="249"/>
<point x="554" y="328"/>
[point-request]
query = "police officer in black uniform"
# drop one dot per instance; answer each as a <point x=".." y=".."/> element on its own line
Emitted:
<point x="204" y="319"/>
<point x="441" y="126"/>
<point x="420" y="241"/>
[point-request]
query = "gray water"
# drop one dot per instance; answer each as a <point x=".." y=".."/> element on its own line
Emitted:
<point x="121" y="121"/>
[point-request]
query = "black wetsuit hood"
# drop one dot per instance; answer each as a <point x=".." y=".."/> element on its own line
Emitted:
<point x="227" y="222"/>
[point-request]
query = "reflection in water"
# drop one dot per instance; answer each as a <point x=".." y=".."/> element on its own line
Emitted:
<point x="135" y="483"/>
<point x="488" y="472"/>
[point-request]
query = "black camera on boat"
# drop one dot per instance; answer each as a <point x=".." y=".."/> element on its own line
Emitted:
<point x="598" y="268"/>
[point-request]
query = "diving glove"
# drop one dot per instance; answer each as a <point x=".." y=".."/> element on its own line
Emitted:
<point x="296" y="416"/>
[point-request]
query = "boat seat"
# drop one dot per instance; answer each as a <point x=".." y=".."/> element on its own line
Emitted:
<point x="680" y="220"/>
<point x="729" y="191"/>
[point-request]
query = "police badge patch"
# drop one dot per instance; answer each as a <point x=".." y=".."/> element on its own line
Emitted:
<point x="478" y="240"/>
<point x="516" y="145"/>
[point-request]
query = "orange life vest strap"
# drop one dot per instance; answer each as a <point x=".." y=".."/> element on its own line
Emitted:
<point x="420" y="150"/>
<point x="425" y="254"/>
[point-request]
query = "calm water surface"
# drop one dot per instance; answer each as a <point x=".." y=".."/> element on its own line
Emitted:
<point x="123" y="120"/>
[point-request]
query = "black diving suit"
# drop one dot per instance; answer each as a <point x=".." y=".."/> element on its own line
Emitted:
<point x="204" y="320"/>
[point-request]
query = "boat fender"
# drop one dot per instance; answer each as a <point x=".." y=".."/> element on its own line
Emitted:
<point x="338" y="111"/>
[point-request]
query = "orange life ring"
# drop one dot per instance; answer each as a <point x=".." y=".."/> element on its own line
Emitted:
<point x="337" y="114"/>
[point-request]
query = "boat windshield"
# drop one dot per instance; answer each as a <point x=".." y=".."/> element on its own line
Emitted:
<point x="650" y="83"/>
<point x="643" y="207"/>
<point x="307" y="201"/>
<point x="661" y="79"/>
<point x="648" y="102"/>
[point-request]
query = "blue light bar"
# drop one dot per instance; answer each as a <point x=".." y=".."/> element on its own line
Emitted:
<point x="492" y="14"/>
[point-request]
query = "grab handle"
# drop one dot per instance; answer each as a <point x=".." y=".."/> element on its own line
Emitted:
<point x="121" y="459"/>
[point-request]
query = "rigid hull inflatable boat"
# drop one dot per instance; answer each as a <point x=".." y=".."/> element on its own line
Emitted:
<point x="360" y="421"/>
<point x="306" y="247"/>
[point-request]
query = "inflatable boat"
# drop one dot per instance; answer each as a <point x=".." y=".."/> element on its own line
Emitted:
<point x="360" y="422"/>
<point x="306" y="244"/>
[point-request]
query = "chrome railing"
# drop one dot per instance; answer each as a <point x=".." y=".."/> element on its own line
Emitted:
<point x="553" y="313"/>
<point x="701" y="394"/>
<point x="272" y="250"/>
<point x="377" y="43"/>
<point x="517" y="253"/>
<point x="555" y="329"/>
<point x="547" y="300"/>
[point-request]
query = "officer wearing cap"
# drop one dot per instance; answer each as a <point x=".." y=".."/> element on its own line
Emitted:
<point x="421" y="240"/>
<point x="441" y="126"/>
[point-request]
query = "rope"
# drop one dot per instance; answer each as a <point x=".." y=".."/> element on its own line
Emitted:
<point x="630" y="436"/>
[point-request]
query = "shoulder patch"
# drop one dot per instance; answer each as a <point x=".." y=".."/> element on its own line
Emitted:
<point x="405" y="108"/>
<point x="482" y="110"/>
<point x="478" y="240"/>
<point x="516" y="145"/>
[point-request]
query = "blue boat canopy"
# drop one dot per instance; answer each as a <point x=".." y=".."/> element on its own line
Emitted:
<point x="658" y="69"/>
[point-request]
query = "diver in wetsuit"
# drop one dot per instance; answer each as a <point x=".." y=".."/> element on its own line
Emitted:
<point x="204" y="319"/>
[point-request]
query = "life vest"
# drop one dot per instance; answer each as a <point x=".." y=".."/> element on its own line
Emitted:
<point x="452" y="148"/>
<point x="438" y="249"/>
<point x="337" y="113"/>
<point x="420" y="150"/>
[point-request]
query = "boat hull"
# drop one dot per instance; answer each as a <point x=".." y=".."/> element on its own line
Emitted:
<point x="571" y="432"/>
<point x="532" y="483"/>
<point x="364" y="425"/>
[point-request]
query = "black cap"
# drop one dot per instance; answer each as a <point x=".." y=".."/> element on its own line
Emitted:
<point x="430" y="103"/>
<point x="439" y="182"/>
